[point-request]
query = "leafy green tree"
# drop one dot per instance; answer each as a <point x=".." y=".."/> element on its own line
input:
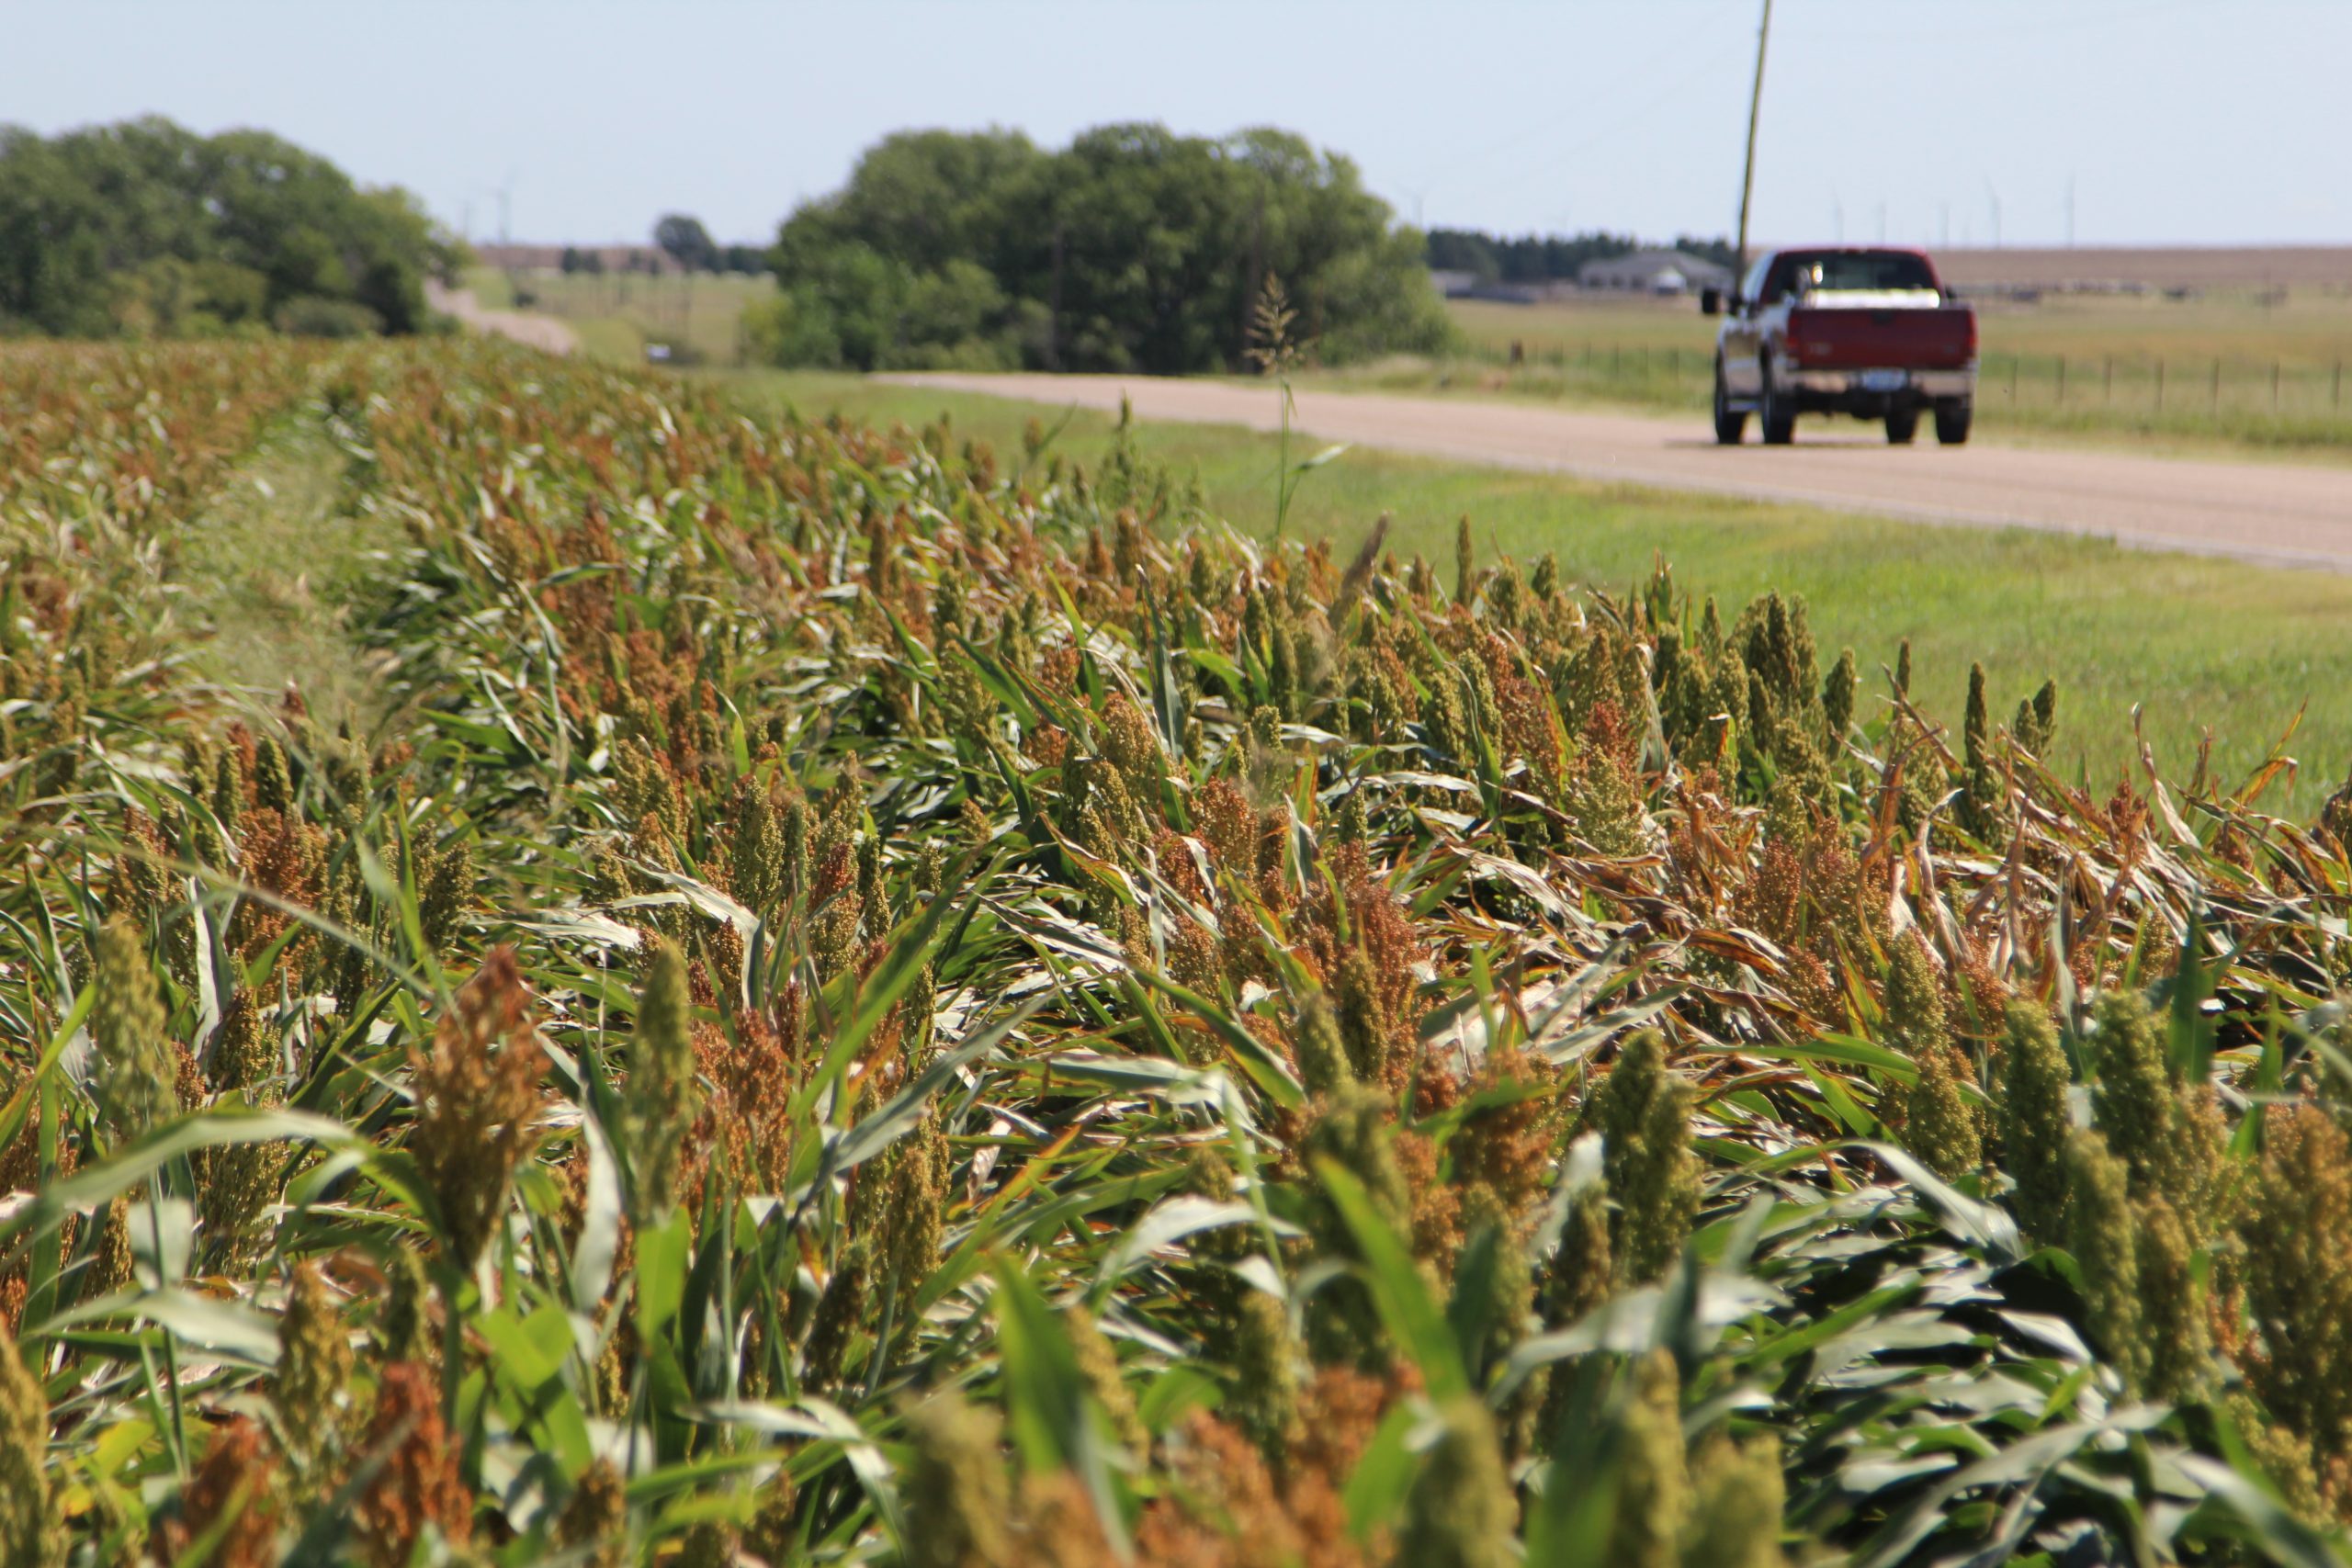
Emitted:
<point x="687" y="242"/>
<point x="1132" y="249"/>
<point x="146" y="227"/>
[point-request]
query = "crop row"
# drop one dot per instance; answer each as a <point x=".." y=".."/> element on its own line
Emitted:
<point x="884" y="1000"/>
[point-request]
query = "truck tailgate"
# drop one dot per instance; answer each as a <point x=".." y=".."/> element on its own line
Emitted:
<point x="1827" y="338"/>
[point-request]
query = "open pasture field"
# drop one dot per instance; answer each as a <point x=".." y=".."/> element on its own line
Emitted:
<point x="2223" y="369"/>
<point x="617" y="313"/>
<point x="859" y="996"/>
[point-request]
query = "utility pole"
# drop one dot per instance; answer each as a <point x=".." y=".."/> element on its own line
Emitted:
<point x="1755" y="103"/>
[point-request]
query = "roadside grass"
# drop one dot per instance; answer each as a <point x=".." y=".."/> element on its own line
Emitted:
<point x="616" y="314"/>
<point x="2217" y="373"/>
<point x="2206" y="647"/>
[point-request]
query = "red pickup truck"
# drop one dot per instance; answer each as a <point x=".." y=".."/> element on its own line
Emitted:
<point x="1864" y="331"/>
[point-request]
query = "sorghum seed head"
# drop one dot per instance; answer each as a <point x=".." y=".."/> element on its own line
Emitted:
<point x="1644" y="1117"/>
<point x="1652" y="1479"/>
<point x="660" y="1099"/>
<point x="1461" y="1511"/>
<point x="2036" y="1119"/>
<point x="958" y="1500"/>
<point x="314" y="1364"/>
<point x="135" y="1076"/>
<point x="476" y="1110"/>
<point x="2105" y="1244"/>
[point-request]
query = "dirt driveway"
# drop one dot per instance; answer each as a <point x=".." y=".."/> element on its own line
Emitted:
<point x="522" y="326"/>
<point x="2280" y="513"/>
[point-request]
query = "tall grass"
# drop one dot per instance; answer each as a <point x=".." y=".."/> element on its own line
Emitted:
<point x="877" y="1000"/>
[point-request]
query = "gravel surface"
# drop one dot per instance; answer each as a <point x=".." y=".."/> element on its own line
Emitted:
<point x="522" y="326"/>
<point x="2275" y="513"/>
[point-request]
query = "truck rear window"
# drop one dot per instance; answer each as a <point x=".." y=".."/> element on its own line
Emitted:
<point x="1843" y="271"/>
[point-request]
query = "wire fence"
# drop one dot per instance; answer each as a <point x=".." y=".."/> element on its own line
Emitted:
<point x="2276" y="398"/>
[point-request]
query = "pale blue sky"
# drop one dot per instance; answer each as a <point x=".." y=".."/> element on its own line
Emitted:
<point x="2201" y="121"/>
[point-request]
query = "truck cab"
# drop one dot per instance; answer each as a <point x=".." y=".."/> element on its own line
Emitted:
<point x="1869" y="332"/>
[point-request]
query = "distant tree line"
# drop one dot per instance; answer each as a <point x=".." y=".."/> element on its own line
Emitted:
<point x="1547" y="258"/>
<point x="685" y="241"/>
<point x="1133" y="248"/>
<point x="146" y="227"/>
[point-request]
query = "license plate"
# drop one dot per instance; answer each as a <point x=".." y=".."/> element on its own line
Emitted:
<point x="1885" y="380"/>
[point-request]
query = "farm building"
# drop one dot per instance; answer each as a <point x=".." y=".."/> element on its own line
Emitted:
<point x="1653" y="272"/>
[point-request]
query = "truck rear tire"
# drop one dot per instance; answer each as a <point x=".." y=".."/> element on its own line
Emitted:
<point x="1953" y="419"/>
<point x="1730" y="423"/>
<point x="1902" y="426"/>
<point x="1778" y="419"/>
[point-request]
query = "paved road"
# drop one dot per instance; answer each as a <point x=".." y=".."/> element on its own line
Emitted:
<point x="522" y="326"/>
<point x="2282" y="514"/>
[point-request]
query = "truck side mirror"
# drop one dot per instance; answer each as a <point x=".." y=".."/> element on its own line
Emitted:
<point x="1710" y="302"/>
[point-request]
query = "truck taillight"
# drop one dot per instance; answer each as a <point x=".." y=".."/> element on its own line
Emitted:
<point x="1972" y="335"/>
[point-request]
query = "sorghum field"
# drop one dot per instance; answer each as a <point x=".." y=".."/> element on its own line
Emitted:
<point x="853" y="998"/>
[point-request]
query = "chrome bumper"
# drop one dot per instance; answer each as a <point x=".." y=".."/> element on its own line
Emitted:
<point x="1920" y="383"/>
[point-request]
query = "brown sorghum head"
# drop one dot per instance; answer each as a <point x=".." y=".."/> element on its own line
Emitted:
<point x="233" y="1491"/>
<point x="419" y="1486"/>
<point x="478" y="1100"/>
<point x="595" y="1520"/>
